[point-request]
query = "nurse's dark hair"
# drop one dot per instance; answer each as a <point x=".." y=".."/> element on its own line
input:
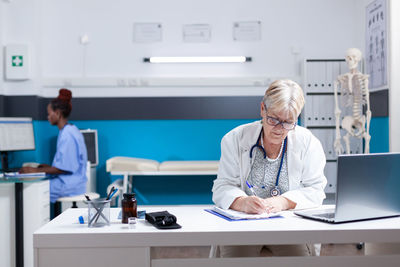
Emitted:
<point x="62" y="102"/>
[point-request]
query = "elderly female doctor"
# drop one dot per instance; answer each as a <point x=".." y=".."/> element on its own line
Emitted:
<point x="271" y="165"/>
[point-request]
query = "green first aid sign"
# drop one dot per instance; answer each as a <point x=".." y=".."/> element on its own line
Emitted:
<point x="17" y="61"/>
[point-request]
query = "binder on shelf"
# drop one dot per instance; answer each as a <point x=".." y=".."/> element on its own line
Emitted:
<point x="329" y="76"/>
<point x="308" y="112"/>
<point x="335" y="71"/>
<point x="316" y="108"/>
<point x="327" y="106"/>
<point x="330" y="139"/>
<point x="314" y="76"/>
<point x="308" y="77"/>
<point x="321" y="72"/>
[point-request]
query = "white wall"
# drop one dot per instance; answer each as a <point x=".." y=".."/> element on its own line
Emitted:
<point x="317" y="28"/>
<point x="21" y="26"/>
<point x="394" y="79"/>
<point x="1" y="50"/>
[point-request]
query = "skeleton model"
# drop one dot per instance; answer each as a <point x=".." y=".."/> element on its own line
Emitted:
<point x="355" y="94"/>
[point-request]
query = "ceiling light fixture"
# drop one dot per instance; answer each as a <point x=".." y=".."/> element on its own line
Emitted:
<point x="235" y="59"/>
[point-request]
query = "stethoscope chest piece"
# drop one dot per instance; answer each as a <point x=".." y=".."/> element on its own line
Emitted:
<point x="275" y="192"/>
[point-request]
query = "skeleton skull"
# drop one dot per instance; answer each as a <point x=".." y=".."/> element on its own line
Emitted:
<point x="353" y="56"/>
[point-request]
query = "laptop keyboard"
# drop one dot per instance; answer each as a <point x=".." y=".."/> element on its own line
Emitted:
<point x="325" y="215"/>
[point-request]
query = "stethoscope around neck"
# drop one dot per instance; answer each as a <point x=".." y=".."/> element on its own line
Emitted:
<point x="274" y="191"/>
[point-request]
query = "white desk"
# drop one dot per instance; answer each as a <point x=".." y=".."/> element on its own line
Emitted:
<point x="64" y="243"/>
<point x="24" y="204"/>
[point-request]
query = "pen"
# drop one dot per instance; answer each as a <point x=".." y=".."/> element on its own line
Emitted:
<point x="109" y="193"/>
<point x="112" y="194"/>
<point x="251" y="189"/>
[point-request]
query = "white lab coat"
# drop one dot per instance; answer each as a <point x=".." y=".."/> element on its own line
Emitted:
<point x="305" y="159"/>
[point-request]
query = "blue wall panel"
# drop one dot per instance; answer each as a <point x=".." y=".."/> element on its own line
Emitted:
<point x="161" y="140"/>
<point x="379" y="131"/>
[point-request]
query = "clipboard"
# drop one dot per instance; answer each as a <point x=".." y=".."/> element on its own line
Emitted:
<point x="225" y="214"/>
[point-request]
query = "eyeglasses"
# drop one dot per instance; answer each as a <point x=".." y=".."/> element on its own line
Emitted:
<point x="274" y="122"/>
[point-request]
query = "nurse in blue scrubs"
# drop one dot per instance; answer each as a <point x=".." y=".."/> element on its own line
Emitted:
<point x="69" y="163"/>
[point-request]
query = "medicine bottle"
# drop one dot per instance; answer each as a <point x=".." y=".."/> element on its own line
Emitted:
<point x="129" y="207"/>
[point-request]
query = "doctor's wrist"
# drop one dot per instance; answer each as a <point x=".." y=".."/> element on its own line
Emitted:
<point x="288" y="204"/>
<point x="237" y="204"/>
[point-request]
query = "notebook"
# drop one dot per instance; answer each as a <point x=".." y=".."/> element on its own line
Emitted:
<point x="368" y="187"/>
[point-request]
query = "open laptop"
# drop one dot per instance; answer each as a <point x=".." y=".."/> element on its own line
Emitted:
<point x="368" y="187"/>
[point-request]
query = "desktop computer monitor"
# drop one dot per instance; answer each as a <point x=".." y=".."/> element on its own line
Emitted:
<point x="90" y="137"/>
<point x="16" y="134"/>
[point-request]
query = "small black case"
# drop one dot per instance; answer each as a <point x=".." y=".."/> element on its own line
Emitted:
<point x="162" y="220"/>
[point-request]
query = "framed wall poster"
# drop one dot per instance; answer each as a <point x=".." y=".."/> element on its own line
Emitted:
<point x="376" y="44"/>
<point x="196" y="33"/>
<point x="147" y="32"/>
<point x="249" y="31"/>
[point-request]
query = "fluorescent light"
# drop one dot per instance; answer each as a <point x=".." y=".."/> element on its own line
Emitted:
<point x="236" y="59"/>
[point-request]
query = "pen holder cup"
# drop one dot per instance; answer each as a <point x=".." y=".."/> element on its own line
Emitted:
<point x="98" y="212"/>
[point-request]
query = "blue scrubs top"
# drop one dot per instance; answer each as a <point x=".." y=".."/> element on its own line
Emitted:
<point x="71" y="157"/>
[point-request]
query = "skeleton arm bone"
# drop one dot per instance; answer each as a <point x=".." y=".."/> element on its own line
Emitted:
<point x="337" y="144"/>
<point x="346" y="139"/>
<point x="367" y="136"/>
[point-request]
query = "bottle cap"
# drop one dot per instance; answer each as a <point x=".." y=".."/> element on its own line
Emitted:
<point x="129" y="195"/>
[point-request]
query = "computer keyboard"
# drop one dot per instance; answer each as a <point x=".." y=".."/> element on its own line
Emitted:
<point x="10" y="170"/>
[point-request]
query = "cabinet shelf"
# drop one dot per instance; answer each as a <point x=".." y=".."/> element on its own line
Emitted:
<point x="319" y="111"/>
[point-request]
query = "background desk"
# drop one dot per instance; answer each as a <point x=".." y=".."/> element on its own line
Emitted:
<point x="17" y="223"/>
<point x="64" y="243"/>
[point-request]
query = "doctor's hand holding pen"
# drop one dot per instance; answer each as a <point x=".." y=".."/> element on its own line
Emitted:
<point x="256" y="205"/>
<point x="249" y="204"/>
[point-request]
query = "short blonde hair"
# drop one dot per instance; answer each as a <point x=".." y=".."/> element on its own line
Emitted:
<point x="284" y="96"/>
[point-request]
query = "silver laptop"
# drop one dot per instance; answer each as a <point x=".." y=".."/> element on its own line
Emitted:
<point x="368" y="187"/>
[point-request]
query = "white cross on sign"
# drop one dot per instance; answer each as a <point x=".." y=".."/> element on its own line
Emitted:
<point x="17" y="61"/>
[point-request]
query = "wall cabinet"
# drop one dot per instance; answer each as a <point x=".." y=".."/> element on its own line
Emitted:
<point x="319" y="111"/>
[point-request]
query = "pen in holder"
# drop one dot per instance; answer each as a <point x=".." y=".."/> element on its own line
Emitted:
<point x="98" y="212"/>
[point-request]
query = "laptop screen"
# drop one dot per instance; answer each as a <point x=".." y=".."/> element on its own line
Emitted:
<point x="368" y="186"/>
